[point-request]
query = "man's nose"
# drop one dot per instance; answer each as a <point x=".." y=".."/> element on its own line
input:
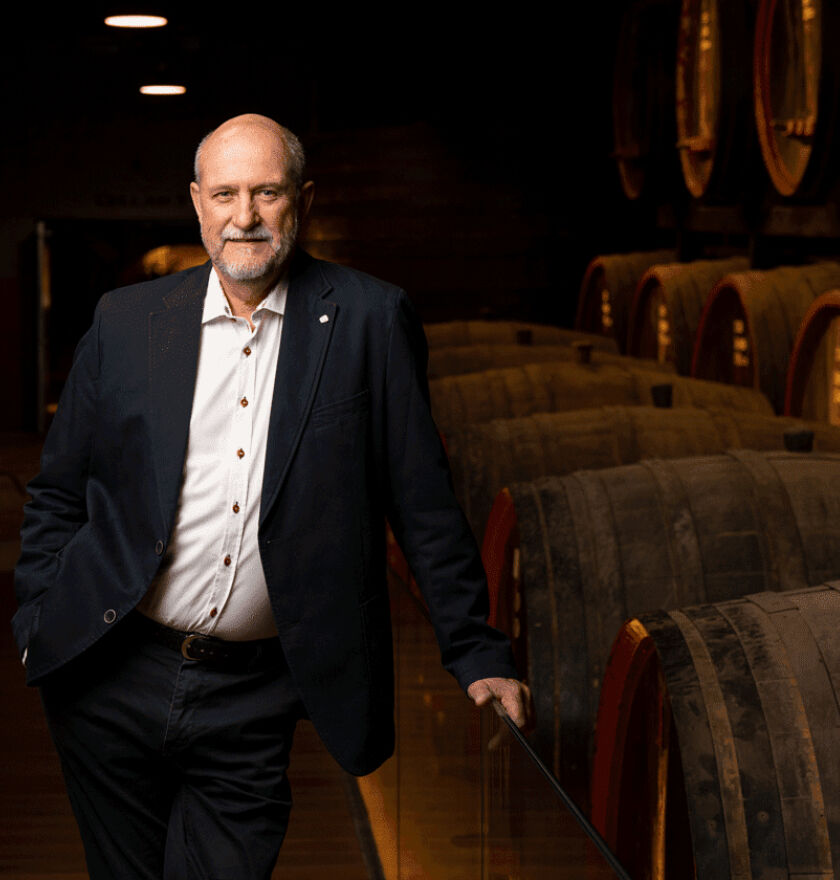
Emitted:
<point x="244" y="214"/>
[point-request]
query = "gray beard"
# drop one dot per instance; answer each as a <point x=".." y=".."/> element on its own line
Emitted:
<point x="251" y="268"/>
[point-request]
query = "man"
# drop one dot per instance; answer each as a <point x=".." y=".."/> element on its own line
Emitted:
<point x="202" y="558"/>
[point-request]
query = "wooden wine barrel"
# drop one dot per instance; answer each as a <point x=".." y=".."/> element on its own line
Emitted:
<point x="449" y="333"/>
<point x="715" y="124"/>
<point x="796" y="83"/>
<point x="667" y="305"/>
<point x="456" y="360"/>
<point x="717" y="749"/>
<point x="607" y="291"/>
<point x="749" y="324"/>
<point x="488" y="456"/>
<point x="570" y="558"/>
<point x="813" y="377"/>
<point x="643" y="99"/>
<point x="552" y="387"/>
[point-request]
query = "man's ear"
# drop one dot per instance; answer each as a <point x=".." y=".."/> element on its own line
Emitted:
<point x="307" y="194"/>
<point x="194" y="193"/>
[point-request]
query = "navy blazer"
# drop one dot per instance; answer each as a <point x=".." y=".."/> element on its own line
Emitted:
<point x="351" y="441"/>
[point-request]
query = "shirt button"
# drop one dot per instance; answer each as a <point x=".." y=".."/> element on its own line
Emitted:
<point x="244" y="401"/>
<point x="246" y="351"/>
<point x="214" y="612"/>
<point x="240" y="453"/>
<point x="227" y="560"/>
<point x="236" y="508"/>
<point x="109" y="616"/>
<point x="159" y="548"/>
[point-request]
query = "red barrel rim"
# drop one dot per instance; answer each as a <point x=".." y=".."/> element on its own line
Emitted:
<point x="823" y="310"/>
<point x="632" y="652"/>
<point x="786" y="182"/>
<point x="726" y="287"/>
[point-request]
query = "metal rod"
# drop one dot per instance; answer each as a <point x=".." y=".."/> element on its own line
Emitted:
<point x="572" y="807"/>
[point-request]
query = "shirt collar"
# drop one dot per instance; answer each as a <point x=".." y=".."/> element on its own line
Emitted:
<point x="216" y="304"/>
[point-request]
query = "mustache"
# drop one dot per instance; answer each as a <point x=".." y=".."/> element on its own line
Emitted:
<point x="258" y="233"/>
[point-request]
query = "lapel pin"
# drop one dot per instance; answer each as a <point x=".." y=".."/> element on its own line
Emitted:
<point x="323" y="319"/>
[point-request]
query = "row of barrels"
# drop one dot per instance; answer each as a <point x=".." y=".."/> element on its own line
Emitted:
<point x="572" y="555"/>
<point x="728" y="87"/>
<point x="571" y="558"/>
<point x="776" y="330"/>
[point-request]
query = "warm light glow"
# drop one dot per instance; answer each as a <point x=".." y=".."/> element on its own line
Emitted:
<point x="167" y="259"/>
<point x="135" y="21"/>
<point x="162" y="90"/>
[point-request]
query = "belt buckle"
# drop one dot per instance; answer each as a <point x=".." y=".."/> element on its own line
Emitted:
<point x="185" y="646"/>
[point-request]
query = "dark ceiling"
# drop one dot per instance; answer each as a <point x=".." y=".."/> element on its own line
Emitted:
<point x="318" y="69"/>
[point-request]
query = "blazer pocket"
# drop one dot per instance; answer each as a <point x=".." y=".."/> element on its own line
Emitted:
<point x="340" y="412"/>
<point x="25" y="623"/>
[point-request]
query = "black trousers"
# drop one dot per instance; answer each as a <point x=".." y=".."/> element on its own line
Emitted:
<point x="175" y="769"/>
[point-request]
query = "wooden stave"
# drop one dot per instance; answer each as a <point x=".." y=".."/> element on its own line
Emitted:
<point x="449" y="333"/>
<point x="554" y="387"/>
<point x="456" y="360"/>
<point x="487" y="456"/>
<point x="772" y="303"/>
<point x="618" y="274"/>
<point x="728" y="668"/>
<point x="685" y="287"/>
<point x="784" y="527"/>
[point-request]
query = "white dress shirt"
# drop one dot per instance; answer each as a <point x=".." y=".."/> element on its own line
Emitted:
<point x="211" y="579"/>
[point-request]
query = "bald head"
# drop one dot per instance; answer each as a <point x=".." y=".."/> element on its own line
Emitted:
<point x="253" y="125"/>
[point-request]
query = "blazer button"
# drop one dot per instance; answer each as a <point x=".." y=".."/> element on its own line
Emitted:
<point x="159" y="548"/>
<point x="110" y="616"/>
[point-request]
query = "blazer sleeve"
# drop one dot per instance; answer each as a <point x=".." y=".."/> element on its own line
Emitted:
<point x="426" y="518"/>
<point x="58" y="509"/>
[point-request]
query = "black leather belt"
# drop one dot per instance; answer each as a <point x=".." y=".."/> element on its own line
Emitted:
<point x="209" y="649"/>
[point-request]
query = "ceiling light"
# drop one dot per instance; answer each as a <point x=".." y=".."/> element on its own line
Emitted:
<point x="162" y="90"/>
<point x="135" y="21"/>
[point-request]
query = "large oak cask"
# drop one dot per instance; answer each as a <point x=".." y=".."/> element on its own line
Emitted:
<point x="716" y="133"/>
<point x="717" y="750"/>
<point x="796" y="74"/>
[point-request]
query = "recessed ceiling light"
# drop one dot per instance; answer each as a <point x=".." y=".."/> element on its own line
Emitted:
<point x="162" y="90"/>
<point x="135" y="21"/>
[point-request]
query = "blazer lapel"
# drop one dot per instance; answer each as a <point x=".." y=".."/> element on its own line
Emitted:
<point x="174" y="339"/>
<point x="307" y="328"/>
